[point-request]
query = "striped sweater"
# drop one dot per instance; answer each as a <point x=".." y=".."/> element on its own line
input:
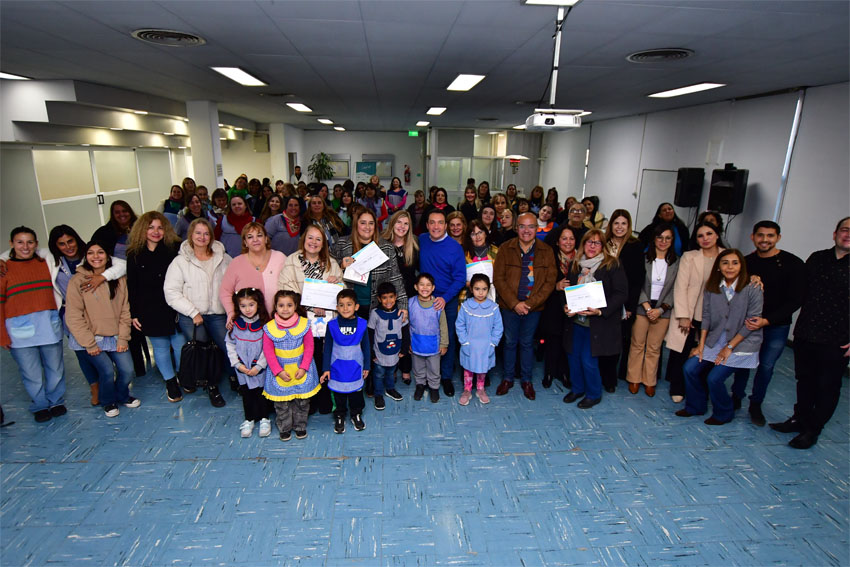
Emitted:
<point x="26" y="288"/>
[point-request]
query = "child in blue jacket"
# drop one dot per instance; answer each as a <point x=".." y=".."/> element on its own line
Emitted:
<point x="479" y="329"/>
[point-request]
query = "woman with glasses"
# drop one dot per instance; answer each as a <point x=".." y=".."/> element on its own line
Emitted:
<point x="591" y="332"/>
<point x="652" y="318"/>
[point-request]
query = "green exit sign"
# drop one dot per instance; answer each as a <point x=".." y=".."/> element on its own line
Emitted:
<point x="413" y="133"/>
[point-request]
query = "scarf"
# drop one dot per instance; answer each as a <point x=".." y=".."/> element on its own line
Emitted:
<point x="285" y="323"/>
<point x="480" y="252"/>
<point x="293" y="226"/>
<point x="565" y="260"/>
<point x="588" y="268"/>
<point x="239" y="222"/>
<point x="314" y="270"/>
<point x="440" y="206"/>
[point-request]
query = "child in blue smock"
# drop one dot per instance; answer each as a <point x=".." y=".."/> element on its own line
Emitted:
<point x="479" y="329"/>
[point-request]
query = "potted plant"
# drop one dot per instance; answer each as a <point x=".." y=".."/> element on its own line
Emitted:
<point x="320" y="167"/>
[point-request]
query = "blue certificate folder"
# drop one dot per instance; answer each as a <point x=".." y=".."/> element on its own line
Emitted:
<point x="580" y="297"/>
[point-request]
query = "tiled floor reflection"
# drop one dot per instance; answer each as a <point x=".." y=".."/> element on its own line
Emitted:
<point x="512" y="483"/>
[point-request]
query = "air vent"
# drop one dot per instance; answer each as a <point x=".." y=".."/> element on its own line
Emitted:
<point x="169" y="38"/>
<point x="660" y="55"/>
<point x="278" y="95"/>
<point x="487" y="119"/>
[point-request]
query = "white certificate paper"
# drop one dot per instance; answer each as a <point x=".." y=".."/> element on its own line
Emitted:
<point x="580" y="297"/>
<point x="481" y="267"/>
<point x="319" y="293"/>
<point x="353" y="276"/>
<point x="368" y="258"/>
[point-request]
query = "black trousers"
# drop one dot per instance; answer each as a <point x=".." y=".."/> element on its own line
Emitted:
<point x="321" y="402"/>
<point x="676" y="360"/>
<point x="138" y="348"/>
<point x="555" y="357"/>
<point x="819" y="370"/>
<point x="352" y="401"/>
<point x="255" y="405"/>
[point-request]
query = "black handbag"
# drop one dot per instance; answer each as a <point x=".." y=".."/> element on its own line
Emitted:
<point x="200" y="360"/>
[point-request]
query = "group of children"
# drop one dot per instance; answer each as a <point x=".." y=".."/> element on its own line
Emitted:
<point x="273" y="354"/>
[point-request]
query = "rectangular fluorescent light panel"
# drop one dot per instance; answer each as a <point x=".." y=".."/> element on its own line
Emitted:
<point x="12" y="77"/>
<point x="436" y="110"/>
<point x="299" y="107"/>
<point x="687" y="90"/>
<point x="238" y="75"/>
<point x="140" y="112"/>
<point x="422" y="123"/>
<point x="325" y="121"/>
<point x="339" y="128"/>
<point x="464" y="82"/>
<point x="551" y="2"/>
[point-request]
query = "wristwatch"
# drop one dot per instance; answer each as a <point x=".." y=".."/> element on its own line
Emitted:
<point x="729" y="346"/>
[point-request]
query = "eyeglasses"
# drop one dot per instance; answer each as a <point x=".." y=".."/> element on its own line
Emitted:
<point x="593" y="243"/>
<point x="664" y="238"/>
<point x="572" y="211"/>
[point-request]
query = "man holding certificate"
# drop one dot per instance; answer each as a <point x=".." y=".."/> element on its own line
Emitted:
<point x="594" y="308"/>
<point x="524" y="274"/>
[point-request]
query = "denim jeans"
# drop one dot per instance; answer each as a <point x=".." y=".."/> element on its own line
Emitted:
<point x="721" y="402"/>
<point x="773" y="343"/>
<point x="162" y="347"/>
<point x="519" y="329"/>
<point x="384" y="377"/>
<point x="213" y="326"/>
<point x="584" y="367"/>
<point x="43" y="374"/>
<point x="447" y="362"/>
<point x="113" y="390"/>
<point x="89" y="371"/>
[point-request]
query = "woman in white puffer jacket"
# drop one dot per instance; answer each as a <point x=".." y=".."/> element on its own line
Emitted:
<point x="191" y="288"/>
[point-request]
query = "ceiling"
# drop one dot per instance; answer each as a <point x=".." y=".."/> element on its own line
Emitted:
<point x="378" y="65"/>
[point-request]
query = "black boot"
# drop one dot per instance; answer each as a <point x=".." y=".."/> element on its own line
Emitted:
<point x="547" y="380"/>
<point x="756" y="416"/>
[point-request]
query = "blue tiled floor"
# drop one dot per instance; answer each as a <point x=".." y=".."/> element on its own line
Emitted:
<point x="512" y="483"/>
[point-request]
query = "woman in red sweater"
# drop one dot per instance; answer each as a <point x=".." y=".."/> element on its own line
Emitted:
<point x="30" y="326"/>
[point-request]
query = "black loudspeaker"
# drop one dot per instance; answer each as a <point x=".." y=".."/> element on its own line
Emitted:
<point x="689" y="186"/>
<point x="728" y="190"/>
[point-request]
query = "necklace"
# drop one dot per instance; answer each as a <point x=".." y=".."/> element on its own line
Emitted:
<point x="656" y="274"/>
<point x="263" y="262"/>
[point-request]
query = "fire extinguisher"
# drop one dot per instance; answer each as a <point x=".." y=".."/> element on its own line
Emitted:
<point x="406" y="173"/>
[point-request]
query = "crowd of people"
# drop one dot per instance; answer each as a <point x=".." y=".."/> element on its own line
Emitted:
<point x="465" y="285"/>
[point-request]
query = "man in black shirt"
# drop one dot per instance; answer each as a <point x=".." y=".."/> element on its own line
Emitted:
<point x="821" y="340"/>
<point x="783" y="277"/>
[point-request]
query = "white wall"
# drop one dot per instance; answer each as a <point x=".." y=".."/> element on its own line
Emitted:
<point x="753" y="134"/>
<point x="238" y="157"/>
<point x="563" y="157"/>
<point x="294" y="142"/>
<point x="817" y="195"/>
<point x="407" y="150"/>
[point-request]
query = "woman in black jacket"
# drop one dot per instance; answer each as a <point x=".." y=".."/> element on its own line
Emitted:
<point x="152" y="246"/>
<point x="621" y="244"/>
<point x="666" y="214"/>
<point x="551" y="327"/>
<point x="590" y="333"/>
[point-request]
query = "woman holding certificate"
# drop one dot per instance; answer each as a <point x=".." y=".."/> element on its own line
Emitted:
<point x="591" y="332"/>
<point x="694" y="269"/>
<point x="312" y="260"/>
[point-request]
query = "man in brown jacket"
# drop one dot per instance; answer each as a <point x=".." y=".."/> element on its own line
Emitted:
<point x="524" y="275"/>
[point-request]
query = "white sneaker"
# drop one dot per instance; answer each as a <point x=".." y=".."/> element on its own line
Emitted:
<point x="265" y="427"/>
<point x="132" y="402"/>
<point x="246" y="429"/>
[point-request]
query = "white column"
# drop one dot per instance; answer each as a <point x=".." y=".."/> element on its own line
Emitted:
<point x="206" y="146"/>
<point x="279" y="155"/>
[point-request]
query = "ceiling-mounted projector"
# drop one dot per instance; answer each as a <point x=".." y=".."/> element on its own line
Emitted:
<point x="553" y="120"/>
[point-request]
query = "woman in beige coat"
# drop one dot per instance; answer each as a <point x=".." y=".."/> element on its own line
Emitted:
<point x="694" y="270"/>
<point x="313" y="260"/>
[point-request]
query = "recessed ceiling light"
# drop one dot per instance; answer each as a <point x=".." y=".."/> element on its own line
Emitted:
<point x="168" y="133"/>
<point x="222" y="138"/>
<point x="184" y="119"/>
<point x="325" y="121"/>
<point x="85" y="145"/>
<point x="339" y="128"/>
<point x="238" y="129"/>
<point x="464" y="82"/>
<point x="422" y="123"/>
<point x="299" y="107"/>
<point x="550" y="2"/>
<point x="181" y="147"/>
<point x="238" y="75"/>
<point x="220" y="125"/>
<point x="492" y="133"/>
<point x="477" y="136"/>
<point x="140" y="112"/>
<point x="436" y="110"/>
<point x="519" y="127"/>
<point x="501" y="135"/>
<point x="12" y="77"/>
<point x="687" y="90"/>
<point x="117" y="129"/>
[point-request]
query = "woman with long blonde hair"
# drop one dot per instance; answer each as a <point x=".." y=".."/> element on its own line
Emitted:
<point x="399" y="233"/>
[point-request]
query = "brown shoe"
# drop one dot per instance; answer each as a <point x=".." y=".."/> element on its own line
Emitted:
<point x="503" y="388"/>
<point x="650" y="390"/>
<point x="528" y="390"/>
<point x="634" y="387"/>
<point x="95" y="393"/>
